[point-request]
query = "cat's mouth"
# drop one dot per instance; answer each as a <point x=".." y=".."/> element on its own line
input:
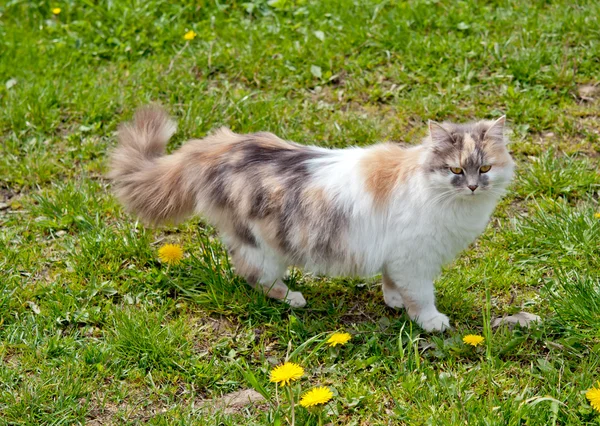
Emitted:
<point x="467" y="193"/>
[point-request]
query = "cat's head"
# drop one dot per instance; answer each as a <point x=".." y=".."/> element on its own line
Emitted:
<point x="469" y="160"/>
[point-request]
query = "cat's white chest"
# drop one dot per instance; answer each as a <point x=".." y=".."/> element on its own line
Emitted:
<point x="427" y="238"/>
<point x="454" y="231"/>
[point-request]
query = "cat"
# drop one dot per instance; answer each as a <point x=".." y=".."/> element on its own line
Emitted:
<point x="401" y="212"/>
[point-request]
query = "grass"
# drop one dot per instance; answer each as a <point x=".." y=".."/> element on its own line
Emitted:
<point x="93" y="329"/>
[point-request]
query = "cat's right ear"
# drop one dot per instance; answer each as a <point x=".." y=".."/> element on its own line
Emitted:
<point x="438" y="133"/>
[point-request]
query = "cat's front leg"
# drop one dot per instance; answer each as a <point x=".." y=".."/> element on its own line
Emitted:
<point x="391" y="293"/>
<point x="416" y="294"/>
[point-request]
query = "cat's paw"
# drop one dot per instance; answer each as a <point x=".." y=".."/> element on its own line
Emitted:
<point x="435" y="322"/>
<point x="295" y="299"/>
<point x="393" y="299"/>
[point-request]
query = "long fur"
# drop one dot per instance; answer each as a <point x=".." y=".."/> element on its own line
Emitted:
<point x="354" y="211"/>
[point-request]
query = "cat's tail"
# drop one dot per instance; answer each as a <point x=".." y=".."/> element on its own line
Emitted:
<point x="150" y="185"/>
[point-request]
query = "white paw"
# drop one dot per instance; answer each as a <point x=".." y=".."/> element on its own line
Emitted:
<point x="435" y="322"/>
<point x="295" y="299"/>
<point x="393" y="300"/>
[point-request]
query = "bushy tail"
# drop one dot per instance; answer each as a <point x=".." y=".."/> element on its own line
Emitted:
<point x="152" y="186"/>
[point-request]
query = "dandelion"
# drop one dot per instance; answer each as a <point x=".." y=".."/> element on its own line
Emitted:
<point x="190" y="35"/>
<point x="170" y="254"/>
<point x="597" y="215"/>
<point x="56" y="10"/>
<point x="338" y="339"/>
<point x="316" y="396"/>
<point x="593" y="395"/>
<point x="286" y="373"/>
<point x="473" y="339"/>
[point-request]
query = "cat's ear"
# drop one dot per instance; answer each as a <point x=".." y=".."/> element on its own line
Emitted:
<point x="495" y="130"/>
<point x="438" y="133"/>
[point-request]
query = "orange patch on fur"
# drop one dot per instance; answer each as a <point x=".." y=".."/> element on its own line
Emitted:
<point x="386" y="166"/>
<point x="496" y="153"/>
<point x="468" y="145"/>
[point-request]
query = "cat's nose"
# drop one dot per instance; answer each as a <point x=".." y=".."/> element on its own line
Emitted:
<point x="473" y="187"/>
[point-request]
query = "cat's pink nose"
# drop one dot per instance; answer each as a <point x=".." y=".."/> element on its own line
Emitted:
<point x="473" y="187"/>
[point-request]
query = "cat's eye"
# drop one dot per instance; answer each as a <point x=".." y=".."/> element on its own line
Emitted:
<point x="485" y="169"/>
<point x="456" y="170"/>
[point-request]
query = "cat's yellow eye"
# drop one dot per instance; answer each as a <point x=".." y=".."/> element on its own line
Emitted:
<point x="456" y="170"/>
<point x="485" y="169"/>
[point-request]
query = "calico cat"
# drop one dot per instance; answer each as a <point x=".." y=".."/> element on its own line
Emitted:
<point x="402" y="212"/>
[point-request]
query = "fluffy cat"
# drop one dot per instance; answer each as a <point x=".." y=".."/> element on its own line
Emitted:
<point x="402" y="212"/>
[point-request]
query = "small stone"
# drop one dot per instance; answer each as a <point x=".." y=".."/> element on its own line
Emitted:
<point x="10" y="83"/>
<point x="588" y="92"/>
<point x="524" y="319"/>
<point x="233" y="402"/>
<point x="4" y="206"/>
<point x="34" y="307"/>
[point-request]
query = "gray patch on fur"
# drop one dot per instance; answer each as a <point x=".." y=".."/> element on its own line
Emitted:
<point x="244" y="234"/>
<point x="255" y="160"/>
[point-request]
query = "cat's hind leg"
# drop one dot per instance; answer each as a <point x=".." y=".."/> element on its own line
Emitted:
<point x="263" y="271"/>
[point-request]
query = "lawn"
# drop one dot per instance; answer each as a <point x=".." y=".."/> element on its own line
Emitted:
<point x="94" y="329"/>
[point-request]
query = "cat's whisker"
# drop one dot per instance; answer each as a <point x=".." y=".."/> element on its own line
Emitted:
<point x="445" y="197"/>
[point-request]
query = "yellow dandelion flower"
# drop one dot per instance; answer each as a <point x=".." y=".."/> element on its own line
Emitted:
<point x="190" y="35"/>
<point x="56" y="10"/>
<point x="597" y="215"/>
<point x="593" y="395"/>
<point x="338" y="339"/>
<point x="316" y="396"/>
<point x="286" y="373"/>
<point x="473" y="339"/>
<point x="171" y="254"/>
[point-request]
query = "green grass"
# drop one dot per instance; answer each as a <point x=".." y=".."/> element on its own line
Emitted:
<point x="93" y="329"/>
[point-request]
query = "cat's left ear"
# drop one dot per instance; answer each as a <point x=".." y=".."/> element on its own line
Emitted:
<point x="438" y="133"/>
<point x="496" y="130"/>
